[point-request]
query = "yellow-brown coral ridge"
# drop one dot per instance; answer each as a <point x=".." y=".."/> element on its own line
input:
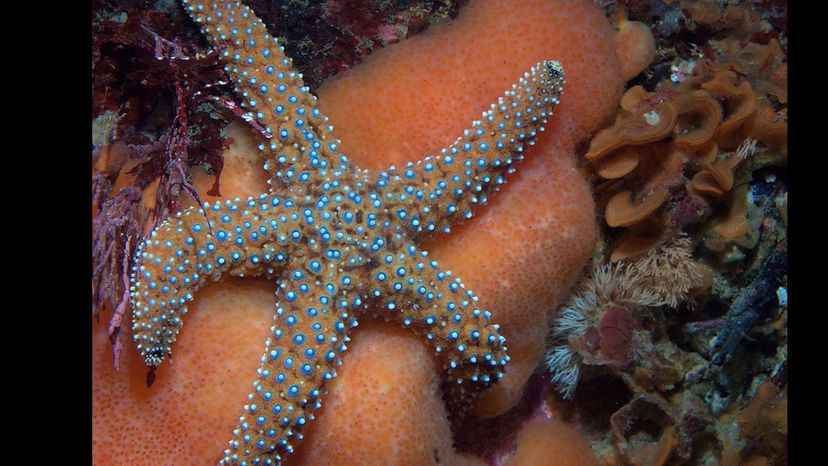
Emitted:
<point x="643" y="124"/>
<point x="619" y="163"/>
<point x="621" y="211"/>
<point x="336" y="239"/>
<point x="698" y="119"/>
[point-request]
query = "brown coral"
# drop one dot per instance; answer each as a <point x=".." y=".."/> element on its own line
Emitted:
<point x="698" y="119"/>
<point x="622" y="211"/>
<point x="738" y="103"/>
<point x="770" y="128"/>
<point x="762" y="432"/>
<point x="715" y="179"/>
<point x="674" y="156"/>
<point x="635" y="242"/>
<point x="734" y="224"/>
<point x="618" y="164"/>
<point x="647" y="120"/>
<point x="719" y="171"/>
<point x="644" y="431"/>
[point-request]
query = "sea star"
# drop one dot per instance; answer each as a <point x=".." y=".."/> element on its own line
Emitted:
<point x="338" y="240"/>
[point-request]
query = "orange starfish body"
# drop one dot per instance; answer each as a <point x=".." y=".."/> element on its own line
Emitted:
<point x="337" y="239"/>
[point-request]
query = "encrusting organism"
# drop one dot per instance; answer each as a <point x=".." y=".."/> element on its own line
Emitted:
<point x="595" y="325"/>
<point x="673" y="157"/>
<point x="335" y="237"/>
<point x="546" y="214"/>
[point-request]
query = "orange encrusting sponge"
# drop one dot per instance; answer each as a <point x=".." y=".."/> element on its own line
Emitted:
<point x="520" y="253"/>
<point x="385" y="404"/>
<point x="550" y="442"/>
<point x="523" y="251"/>
<point x="188" y="413"/>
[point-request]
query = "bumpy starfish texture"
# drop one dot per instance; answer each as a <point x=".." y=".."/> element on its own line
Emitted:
<point x="336" y="239"/>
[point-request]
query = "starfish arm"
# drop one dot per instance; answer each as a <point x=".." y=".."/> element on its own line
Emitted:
<point x="302" y="353"/>
<point x="438" y="191"/>
<point x="428" y="300"/>
<point x="273" y="93"/>
<point x="253" y="237"/>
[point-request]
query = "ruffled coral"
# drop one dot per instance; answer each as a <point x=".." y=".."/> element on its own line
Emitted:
<point x="621" y="211"/>
<point x="673" y="155"/>
<point x="699" y="117"/>
<point x="644" y="122"/>
<point x="636" y="422"/>
<point x="674" y="373"/>
<point x="618" y="164"/>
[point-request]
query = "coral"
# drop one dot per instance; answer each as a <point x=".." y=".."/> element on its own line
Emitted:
<point x="675" y="157"/>
<point x="758" y="433"/>
<point x="618" y="164"/>
<point x="639" y="122"/>
<point x="644" y="430"/>
<point x="200" y="389"/>
<point x="603" y="323"/>
<point x="651" y="430"/>
<point x="665" y="276"/>
<point x="622" y="211"/>
<point x="698" y="121"/>
<point x="683" y="376"/>
<point x="765" y="416"/>
<point x="654" y="370"/>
